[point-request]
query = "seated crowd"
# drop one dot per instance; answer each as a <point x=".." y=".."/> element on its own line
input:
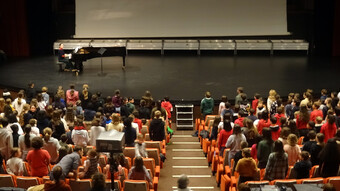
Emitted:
<point x="273" y="136"/>
<point x="40" y="136"/>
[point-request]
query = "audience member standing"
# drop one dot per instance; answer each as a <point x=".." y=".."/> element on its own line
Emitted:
<point x="207" y="105"/>
<point x="277" y="166"/>
<point x="302" y="120"/>
<point x="38" y="159"/>
<point x="329" y="159"/>
<point x="292" y="149"/>
<point x="130" y="133"/>
<point x="25" y="141"/>
<point x="85" y="96"/>
<point x="147" y="97"/>
<point x="6" y="140"/>
<point x="95" y="131"/>
<point x="51" y="144"/>
<point x="329" y="128"/>
<point x="72" y="95"/>
<point x="264" y="148"/>
<point x="157" y="128"/>
<point x="238" y="98"/>
<point x="117" y="101"/>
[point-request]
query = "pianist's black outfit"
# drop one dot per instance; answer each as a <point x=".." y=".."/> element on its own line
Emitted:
<point x="61" y="58"/>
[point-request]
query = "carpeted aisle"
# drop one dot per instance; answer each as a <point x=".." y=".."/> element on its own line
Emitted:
<point x="185" y="156"/>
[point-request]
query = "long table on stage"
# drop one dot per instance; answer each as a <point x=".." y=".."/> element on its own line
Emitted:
<point x="87" y="53"/>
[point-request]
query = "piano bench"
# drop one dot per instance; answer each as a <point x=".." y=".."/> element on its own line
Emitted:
<point x="60" y="64"/>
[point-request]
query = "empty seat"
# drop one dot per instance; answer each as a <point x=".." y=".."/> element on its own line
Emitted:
<point x="154" y="153"/>
<point x="129" y="152"/>
<point x="133" y="185"/>
<point x="7" y="180"/>
<point x="84" y="184"/>
<point x="149" y="163"/>
<point x="26" y="182"/>
<point x="281" y="182"/>
<point x="312" y="181"/>
<point x="334" y="180"/>
<point x="314" y="172"/>
<point x="117" y="184"/>
<point x="259" y="183"/>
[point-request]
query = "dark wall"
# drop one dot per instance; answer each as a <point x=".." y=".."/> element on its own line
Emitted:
<point x="336" y="31"/>
<point x="13" y="23"/>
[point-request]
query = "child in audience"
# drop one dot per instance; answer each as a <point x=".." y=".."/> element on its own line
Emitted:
<point x="264" y="122"/>
<point x="58" y="183"/>
<point x="214" y="130"/>
<point x="329" y="128"/>
<point x="207" y="105"/>
<point x="234" y="142"/>
<point x="15" y="164"/>
<point x="302" y="119"/>
<point x="167" y="106"/>
<point x="283" y="122"/>
<point x="80" y="136"/>
<point x="303" y="167"/>
<point x="274" y="128"/>
<point x="227" y="110"/>
<point x="250" y="132"/>
<point x="38" y="159"/>
<point x="316" y="111"/>
<point x="329" y="159"/>
<point x="246" y="167"/>
<point x="311" y="141"/>
<point x="239" y="154"/>
<point x="51" y="144"/>
<point x="240" y="118"/>
<point x="224" y="134"/>
<point x="115" y="123"/>
<point x="316" y="148"/>
<point x="292" y="149"/>
<point x="140" y="148"/>
<point x="34" y="128"/>
<point x="277" y="165"/>
<point x="25" y="141"/>
<point x="15" y="135"/>
<point x="251" y="114"/>
<point x="264" y="148"/>
<point x="284" y="135"/>
<point x="63" y="141"/>
<point x="90" y="165"/>
<point x="139" y="172"/>
<point x="221" y="106"/>
<point x="260" y="108"/>
<point x="279" y="114"/>
<point x="255" y="102"/>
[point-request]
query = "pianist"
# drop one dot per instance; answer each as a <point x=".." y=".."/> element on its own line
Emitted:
<point x="62" y="57"/>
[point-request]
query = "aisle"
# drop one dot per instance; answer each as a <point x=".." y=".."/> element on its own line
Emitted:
<point x="185" y="156"/>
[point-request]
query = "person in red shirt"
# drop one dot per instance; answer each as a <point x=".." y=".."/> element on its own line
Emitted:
<point x="224" y="135"/>
<point x="302" y="120"/>
<point x="137" y="120"/>
<point x="38" y="159"/>
<point x="329" y="128"/>
<point x="255" y="102"/>
<point x="316" y="111"/>
<point x="167" y="106"/>
<point x="278" y="115"/>
<point x="274" y="128"/>
<point x="239" y="120"/>
<point x="264" y="122"/>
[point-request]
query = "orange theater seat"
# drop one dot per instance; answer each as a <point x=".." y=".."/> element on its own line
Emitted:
<point x="7" y="180"/>
<point x="26" y="182"/>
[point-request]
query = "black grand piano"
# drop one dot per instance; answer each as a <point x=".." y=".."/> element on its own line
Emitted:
<point x="86" y="53"/>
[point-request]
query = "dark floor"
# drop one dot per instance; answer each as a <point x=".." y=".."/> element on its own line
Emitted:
<point x="182" y="75"/>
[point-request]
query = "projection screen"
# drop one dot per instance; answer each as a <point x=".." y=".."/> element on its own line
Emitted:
<point x="179" y="18"/>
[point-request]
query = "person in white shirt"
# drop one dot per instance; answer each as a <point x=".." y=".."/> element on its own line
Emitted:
<point x="140" y="148"/>
<point x="41" y="103"/>
<point x="51" y="144"/>
<point x="12" y="120"/>
<point x="19" y="102"/>
<point x="221" y="107"/>
<point x="95" y="131"/>
<point x="80" y="136"/>
<point x="6" y="140"/>
<point x="116" y="123"/>
<point x="15" y="165"/>
<point x="24" y="141"/>
<point x="34" y="128"/>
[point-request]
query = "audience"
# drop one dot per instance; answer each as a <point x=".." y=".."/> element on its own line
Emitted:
<point x="182" y="183"/>
<point x="261" y="126"/>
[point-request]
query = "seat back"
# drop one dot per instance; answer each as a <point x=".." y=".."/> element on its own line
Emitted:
<point x="226" y="157"/>
<point x="153" y="144"/>
<point x="102" y="161"/>
<point x="154" y="153"/>
<point x="129" y="152"/>
<point x="117" y="184"/>
<point x="84" y="184"/>
<point x="257" y="183"/>
<point x="284" y="182"/>
<point x="335" y="181"/>
<point x="133" y="185"/>
<point x="312" y="181"/>
<point x="291" y="173"/>
<point x="149" y="163"/>
<point x="26" y="182"/>
<point x="314" y="172"/>
<point x="27" y="169"/>
<point x="7" y="180"/>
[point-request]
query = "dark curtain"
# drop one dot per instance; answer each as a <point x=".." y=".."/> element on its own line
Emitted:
<point x="13" y="28"/>
<point x="336" y="32"/>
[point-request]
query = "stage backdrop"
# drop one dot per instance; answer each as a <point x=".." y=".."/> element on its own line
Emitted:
<point x="179" y="18"/>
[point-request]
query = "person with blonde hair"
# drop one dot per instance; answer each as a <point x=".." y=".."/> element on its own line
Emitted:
<point x="85" y="96"/>
<point x="292" y="149"/>
<point x="51" y="144"/>
<point x="271" y="99"/>
<point x="116" y="123"/>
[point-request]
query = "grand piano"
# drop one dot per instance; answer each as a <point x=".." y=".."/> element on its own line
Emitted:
<point x="87" y="53"/>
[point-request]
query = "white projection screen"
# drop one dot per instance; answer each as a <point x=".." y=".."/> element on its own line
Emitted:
<point x="179" y="18"/>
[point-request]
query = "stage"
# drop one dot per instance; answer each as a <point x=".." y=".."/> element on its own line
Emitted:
<point x="181" y="75"/>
